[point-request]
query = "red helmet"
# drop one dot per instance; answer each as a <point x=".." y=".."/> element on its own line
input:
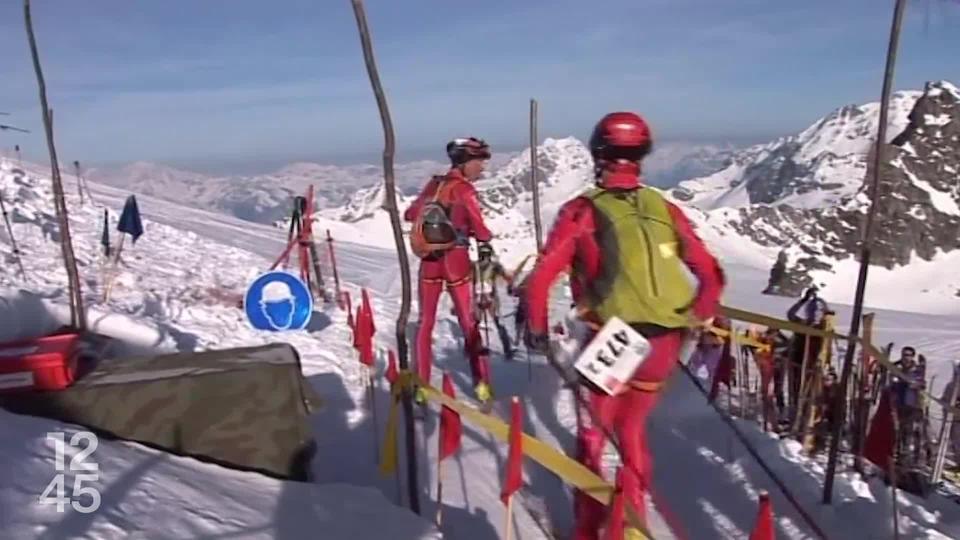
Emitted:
<point x="621" y="136"/>
<point x="461" y="151"/>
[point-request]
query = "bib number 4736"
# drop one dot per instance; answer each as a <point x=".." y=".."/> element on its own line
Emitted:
<point x="613" y="356"/>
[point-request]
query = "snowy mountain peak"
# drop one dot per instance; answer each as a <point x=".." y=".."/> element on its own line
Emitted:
<point x="934" y="88"/>
<point x="564" y="167"/>
<point x="807" y="194"/>
<point x="146" y="173"/>
<point x="820" y="166"/>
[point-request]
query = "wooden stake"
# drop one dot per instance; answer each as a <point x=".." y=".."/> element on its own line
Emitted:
<point x="803" y="390"/>
<point x="111" y="272"/>
<point x="862" y="408"/>
<point x="741" y="380"/>
<point x="439" y="488"/>
<point x="893" y="467"/>
<point x="373" y="411"/>
<point x="78" y="317"/>
<point x="508" y="521"/>
<point x="333" y="263"/>
<point x="390" y="203"/>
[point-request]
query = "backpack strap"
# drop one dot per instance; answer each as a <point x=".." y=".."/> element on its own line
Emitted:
<point x="441" y="184"/>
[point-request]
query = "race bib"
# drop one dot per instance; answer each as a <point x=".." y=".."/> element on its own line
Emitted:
<point x="613" y="356"/>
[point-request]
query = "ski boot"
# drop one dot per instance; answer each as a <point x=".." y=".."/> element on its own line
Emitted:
<point x="485" y="396"/>
<point x="420" y="402"/>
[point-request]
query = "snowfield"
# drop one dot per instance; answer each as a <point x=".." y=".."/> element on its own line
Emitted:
<point x="176" y="292"/>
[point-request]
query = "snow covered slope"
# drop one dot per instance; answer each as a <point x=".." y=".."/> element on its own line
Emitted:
<point x="149" y="494"/>
<point x="703" y="478"/>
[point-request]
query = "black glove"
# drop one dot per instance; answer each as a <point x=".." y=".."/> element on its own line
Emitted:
<point x="537" y="343"/>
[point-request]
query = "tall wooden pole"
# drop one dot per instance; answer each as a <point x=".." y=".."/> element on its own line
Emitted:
<point x="77" y="315"/>
<point x="391" y="205"/>
<point x="333" y="263"/>
<point x="865" y="240"/>
<point x="534" y="177"/>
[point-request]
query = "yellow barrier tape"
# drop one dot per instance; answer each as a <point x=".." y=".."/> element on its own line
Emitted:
<point x="742" y="338"/>
<point x="877" y="354"/>
<point x="567" y="469"/>
<point x="388" y="455"/>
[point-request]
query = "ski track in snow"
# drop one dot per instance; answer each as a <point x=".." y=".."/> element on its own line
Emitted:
<point x="702" y="475"/>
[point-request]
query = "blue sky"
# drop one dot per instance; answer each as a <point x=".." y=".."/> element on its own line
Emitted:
<point x="244" y="83"/>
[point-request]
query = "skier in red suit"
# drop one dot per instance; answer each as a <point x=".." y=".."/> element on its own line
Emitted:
<point x="452" y="269"/>
<point x="617" y="271"/>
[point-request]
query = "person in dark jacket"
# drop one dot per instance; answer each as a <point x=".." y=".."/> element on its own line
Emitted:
<point x="804" y="348"/>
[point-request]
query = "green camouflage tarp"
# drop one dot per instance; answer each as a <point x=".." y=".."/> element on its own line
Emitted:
<point x="243" y="408"/>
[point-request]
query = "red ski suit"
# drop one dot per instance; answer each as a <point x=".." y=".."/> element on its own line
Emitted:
<point x="572" y="239"/>
<point x="452" y="269"/>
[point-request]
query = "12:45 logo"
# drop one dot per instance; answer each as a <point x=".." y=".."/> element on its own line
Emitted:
<point x="82" y="471"/>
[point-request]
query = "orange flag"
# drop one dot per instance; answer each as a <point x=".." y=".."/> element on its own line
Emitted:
<point x="514" y="477"/>
<point x="365" y="301"/>
<point x="763" y="529"/>
<point x="878" y="447"/>
<point x="391" y="374"/>
<point x="451" y="428"/>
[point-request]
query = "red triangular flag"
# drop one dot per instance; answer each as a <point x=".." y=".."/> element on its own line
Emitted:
<point x="878" y="447"/>
<point x="368" y="310"/>
<point x="514" y="477"/>
<point x="391" y="374"/>
<point x="763" y="528"/>
<point x="363" y="337"/>
<point x="451" y="429"/>
<point x="358" y="329"/>
<point x="366" y="352"/>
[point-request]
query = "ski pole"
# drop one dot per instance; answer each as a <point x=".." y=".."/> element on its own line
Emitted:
<point x="13" y="241"/>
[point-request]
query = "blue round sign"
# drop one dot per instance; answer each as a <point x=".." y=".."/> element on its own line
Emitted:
<point x="278" y="301"/>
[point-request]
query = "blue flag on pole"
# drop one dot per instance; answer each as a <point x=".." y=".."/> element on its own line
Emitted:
<point x="105" y="237"/>
<point x="130" y="219"/>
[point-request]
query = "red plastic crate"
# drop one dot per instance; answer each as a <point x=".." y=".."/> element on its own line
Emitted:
<point x="46" y="363"/>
